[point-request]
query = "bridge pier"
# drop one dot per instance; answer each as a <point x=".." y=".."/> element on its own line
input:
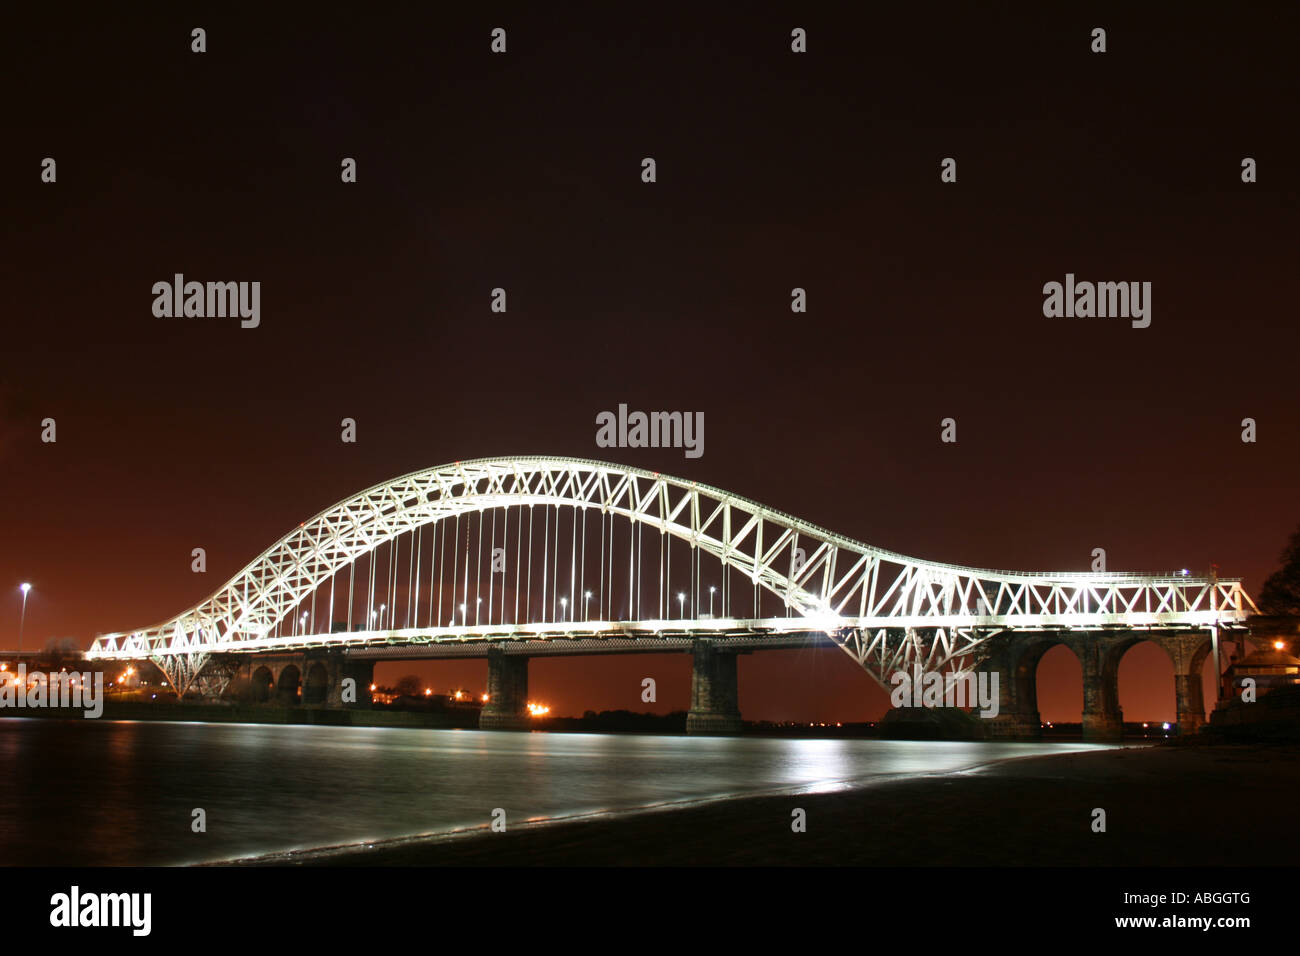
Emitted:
<point x="1188" y="652"/>
<point x="1103" y="721"/>
<point x="1016" y="667"/>
<point x="507" y="703"/>
<point x="338" y="669"/>
<point x="715" y="692"/>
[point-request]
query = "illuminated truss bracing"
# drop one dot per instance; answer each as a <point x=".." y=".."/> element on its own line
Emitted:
<point x="887" y="610"/>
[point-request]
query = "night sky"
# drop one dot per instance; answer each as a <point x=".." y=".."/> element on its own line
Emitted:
<point x="775" y="170"/>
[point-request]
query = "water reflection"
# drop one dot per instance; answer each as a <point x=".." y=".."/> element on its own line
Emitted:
<point x="117" y="792"/>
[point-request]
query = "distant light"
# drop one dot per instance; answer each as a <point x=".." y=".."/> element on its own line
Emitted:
<point x="24" y="587"/>
<point x="1278" y="645"/>
<point x="485" y="698"/>
<point x="1166" y="726"/>
<point x="429" y="693"/>
<point x="1185" y="572"/>
<point x="372" y="687"/>
<point x="538" y="710"/>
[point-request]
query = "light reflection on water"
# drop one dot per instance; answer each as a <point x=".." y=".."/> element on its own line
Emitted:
<point x="83" y="792"/>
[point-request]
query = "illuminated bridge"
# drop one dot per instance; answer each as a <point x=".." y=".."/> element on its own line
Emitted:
<point x="511" y="558"/>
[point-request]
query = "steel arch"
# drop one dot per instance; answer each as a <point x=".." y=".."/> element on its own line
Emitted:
<point x="874" y="603"/>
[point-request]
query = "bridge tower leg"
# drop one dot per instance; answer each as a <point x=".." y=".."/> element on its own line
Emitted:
<point x="507" y="704"/>
<point x="715" y="692"/>
<point x="1102" y="718"/>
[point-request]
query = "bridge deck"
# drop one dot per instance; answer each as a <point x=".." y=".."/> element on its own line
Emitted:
<point x="653" y="636"/>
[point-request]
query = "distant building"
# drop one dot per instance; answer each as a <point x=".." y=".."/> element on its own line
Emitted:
<point x="1274" y="710"/>
<point x="1269" y="669"/>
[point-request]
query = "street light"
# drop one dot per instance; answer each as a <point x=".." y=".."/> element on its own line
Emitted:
<point x="462" y="615"/>
<point x="303" y="620"/>
<point x="564" y="606"/>
<point x="382" y="609"/>
<point x="586" y="603"/>
<point x="711" y="590"/>
<point x="478" y="603"/>
<point x="22" y="621"/>
<point x="373" y="615"/>
<point x="681" y="604"/>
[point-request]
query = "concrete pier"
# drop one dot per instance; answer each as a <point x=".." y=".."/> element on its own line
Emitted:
<point x="507" y="703"/>
<point x="715" y="694"/>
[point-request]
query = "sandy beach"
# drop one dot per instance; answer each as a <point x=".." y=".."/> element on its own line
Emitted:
<point x="1166" y="805"/>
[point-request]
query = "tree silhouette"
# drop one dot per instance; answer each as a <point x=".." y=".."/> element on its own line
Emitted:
<point x="408" y="686"/>
<point x="1281" y="592"/>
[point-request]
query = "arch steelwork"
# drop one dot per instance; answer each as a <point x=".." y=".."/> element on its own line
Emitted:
<point x="887" y="610"/>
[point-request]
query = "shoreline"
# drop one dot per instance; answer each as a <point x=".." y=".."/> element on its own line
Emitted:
<point x="1165" y="805"/>
<point x="328" y="855"/>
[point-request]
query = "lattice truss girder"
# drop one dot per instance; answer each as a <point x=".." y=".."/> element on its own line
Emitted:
<point x="835" y="583"/>
<point x="883" y="652"/>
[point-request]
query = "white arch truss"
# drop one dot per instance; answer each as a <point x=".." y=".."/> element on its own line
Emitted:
<point x="886" y="610"/>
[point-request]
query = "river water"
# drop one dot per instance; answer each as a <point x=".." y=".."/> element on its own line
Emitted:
<point x="99" y="792"/>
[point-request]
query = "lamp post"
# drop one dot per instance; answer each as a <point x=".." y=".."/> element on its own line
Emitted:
<point x="586" y="604"/>
<point x="462" y="615"/>
<point x="564" y="607"/>
<point x="681" y="604"/>
<point x="382" y="609"/>
<point x="22" y="620"/>
<point x="478" y="603"/>
<point x="711" y="590"/>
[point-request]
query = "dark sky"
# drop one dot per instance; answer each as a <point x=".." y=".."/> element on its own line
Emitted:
<point x="775" y="170"/>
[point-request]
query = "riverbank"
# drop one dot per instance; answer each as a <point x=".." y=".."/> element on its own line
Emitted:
<point x="1165" y="805"/>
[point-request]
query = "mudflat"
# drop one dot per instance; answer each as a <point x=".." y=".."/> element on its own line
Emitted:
<point x="1165" y="805"/>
